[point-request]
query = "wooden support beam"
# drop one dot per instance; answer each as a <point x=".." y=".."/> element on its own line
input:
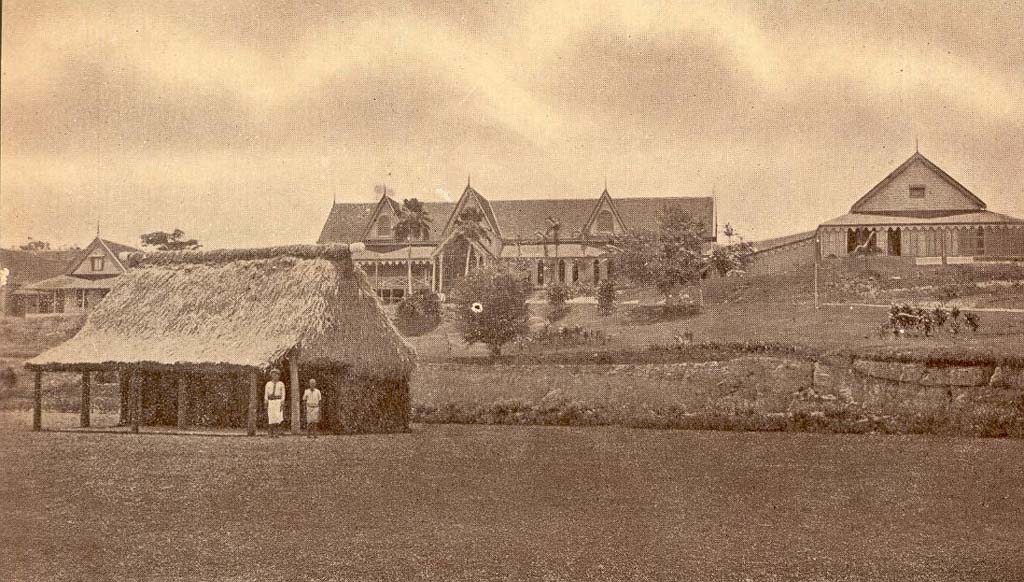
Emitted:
<point x="124" y="377"/>
<point x="136" y="399"/>
<point x="254" y="403"/>
<point x="440" y="273"/>
<point x="182" y="387"/>
<point x="296" y="393"/>
<point x="86" y="407"/>
<point x="37" y="407"/>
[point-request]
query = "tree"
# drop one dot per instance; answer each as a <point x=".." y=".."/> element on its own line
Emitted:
<point x="733" y="257"/>
<point x="35" y="245"/>
<point x="606" y="297"/>
<point x="491" y="307"/>
<point x="667" y="258"/>
<point x="557" y="295"/>
<point x="469" y="225"/>
<point x="413" y="221"/>
<point x="169" y="241"/>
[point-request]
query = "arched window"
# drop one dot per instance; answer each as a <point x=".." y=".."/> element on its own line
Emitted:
<point x="561" y="271"/>
<point x="605" y="222"/>
<point x="597" y="271"/>
<point x="383" y="226"/>
<point x="608" y="269"/>
<point x="575" y="272"/>
<point x="540" y="272"/>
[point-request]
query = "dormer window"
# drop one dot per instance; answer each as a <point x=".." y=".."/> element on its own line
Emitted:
<point x="383" y="226"/>
<point x="96" y="263"/>
<point x="605" y="222"/>
<point x="917" y="191"/>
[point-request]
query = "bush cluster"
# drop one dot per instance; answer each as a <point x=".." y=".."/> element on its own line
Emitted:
<point x="905" y="319"/>
<point x="419" y="312"/>
<point x="606" y="297"/>
<point x="557" y="295"/>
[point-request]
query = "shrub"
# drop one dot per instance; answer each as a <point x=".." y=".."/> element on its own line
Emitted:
<point x="606" y="298"/>
<point x="419" y="312"/>
<point x="906" y="318"/>
<point x="491" y="307"/>
<point x="557" y="295"/>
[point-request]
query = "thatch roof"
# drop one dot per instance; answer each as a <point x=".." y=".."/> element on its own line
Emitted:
<point x="241" y="308"/>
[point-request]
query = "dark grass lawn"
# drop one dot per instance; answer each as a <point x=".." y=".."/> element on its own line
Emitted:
<point x="531" y="503"/>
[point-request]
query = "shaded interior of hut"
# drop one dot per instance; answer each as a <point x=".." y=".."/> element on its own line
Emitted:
<point x="220" y="399"/>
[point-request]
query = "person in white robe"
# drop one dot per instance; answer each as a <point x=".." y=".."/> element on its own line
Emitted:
<point x="273" y="397"/>
<point x="312" y="399"/>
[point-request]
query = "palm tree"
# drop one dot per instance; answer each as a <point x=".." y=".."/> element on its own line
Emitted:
<point x="413" y="223"/>
<point x="469" y="225"/>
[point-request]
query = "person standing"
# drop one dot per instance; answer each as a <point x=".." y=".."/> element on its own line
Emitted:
<point x="273" y="397"/>
<point x="311" y="398"/>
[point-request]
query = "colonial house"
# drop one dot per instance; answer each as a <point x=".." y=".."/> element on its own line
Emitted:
<point x="85" y="281"/>
<point x="555" y="240"/>
<point x="920" y="215"/>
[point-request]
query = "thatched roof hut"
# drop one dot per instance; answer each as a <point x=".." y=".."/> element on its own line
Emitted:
<point x="239" y="312"/>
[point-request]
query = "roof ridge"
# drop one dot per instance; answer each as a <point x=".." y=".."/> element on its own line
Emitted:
<point x="332" y="252"/>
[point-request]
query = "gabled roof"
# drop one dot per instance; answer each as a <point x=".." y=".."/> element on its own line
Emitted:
<point x="384" y="202"/>
<point x="522" y="219"/>
<point x="917" y="157"/>
<point x="243" y="308"/>
<point x="111" y="248"/>
<point x="470" y="195"/>
<point x="605" y="197"/>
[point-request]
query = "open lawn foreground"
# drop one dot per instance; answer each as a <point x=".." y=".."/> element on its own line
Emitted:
<point x="503" y="503"/>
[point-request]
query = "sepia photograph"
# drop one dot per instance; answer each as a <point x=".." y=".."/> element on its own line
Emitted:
<point x="553" y="290"/>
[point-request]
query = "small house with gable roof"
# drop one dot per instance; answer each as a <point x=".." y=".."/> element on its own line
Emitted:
<point x="920" y="215"/>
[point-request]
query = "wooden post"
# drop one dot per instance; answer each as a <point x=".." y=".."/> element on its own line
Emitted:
<point x="409" y="268"/>
<point x="136" y="399"/>
<point x="254" y="403"/>
<point x="124" y="379"/>
<point x="816" y="302"/>
<point x="182" y="387"/>
<point x="86" y="406"/>
<point x="296" y="393"/>
<point x="440" y="275"/>
<point x="433" y="275"/>
<point x="37" y="407"/>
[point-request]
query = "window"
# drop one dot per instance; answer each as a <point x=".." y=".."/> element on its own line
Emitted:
<point x="97" y="263"/>
<point x="917" y="191"/>
<point x="972" y="242"/>
<point x="561" y="271"/>
<point x="605" y="221"/>
<point x="575" y="272"/>
<point x="597" y="271"/>
<point x="540" y="272"/>
<point x="383" y="226"/>
<point x="80" y="298"/>
<point x="608" y="269"/>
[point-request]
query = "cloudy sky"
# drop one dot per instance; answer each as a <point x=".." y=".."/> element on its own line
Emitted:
<point x="239" y="121"/>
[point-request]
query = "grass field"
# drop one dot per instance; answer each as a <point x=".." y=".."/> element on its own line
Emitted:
<point x="502" y="503"/>
<point x="776" y="309"/>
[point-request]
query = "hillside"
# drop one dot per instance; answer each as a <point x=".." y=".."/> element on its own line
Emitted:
<point x="775" y="309"/>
